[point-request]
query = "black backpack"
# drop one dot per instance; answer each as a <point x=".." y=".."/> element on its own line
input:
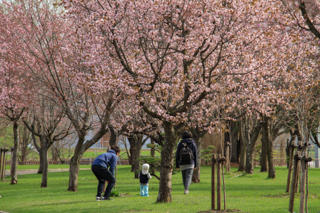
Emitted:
<point x="186" y="155"/>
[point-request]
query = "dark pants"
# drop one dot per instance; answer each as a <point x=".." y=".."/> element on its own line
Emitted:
<point x="103" y="175"/>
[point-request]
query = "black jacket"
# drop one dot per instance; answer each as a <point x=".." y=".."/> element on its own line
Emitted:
<point x="144" y="179"/>
<point x="191" y="144"/>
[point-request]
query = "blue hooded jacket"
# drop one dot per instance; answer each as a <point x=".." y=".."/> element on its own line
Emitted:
<point x="107" y="160"/>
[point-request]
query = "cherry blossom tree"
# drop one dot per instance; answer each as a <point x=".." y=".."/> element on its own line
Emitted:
<point x="50" y="124"/>
<point x="14" y="93"/>
<point x="176" y="57"/>
<point x="299" y="85"/>
<point x="52" y="56"/>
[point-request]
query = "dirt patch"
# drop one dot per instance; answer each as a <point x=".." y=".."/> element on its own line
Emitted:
<point x="220" y="211"/>
<point x="277" y="195"/>
<point x="124" y="195"/>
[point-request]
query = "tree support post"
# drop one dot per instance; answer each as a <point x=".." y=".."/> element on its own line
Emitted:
<point x="291" y="151"/>
<point x="213" y="182"/>
<point x="3" y="163"/>
<point x="304" y="184"/>
<point x="293" y="183"/>
<point x="219" y="183"/>
<point x="223" y="160"/>
<point x="227" y="156"/>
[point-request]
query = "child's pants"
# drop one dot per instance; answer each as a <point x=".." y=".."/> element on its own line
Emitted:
<point x="144" y="190"/>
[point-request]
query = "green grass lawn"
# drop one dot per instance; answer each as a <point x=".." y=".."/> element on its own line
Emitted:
<point x="248" y="193"/>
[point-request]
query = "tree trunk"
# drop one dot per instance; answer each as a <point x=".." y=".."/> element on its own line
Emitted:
<point x="271" y="170"/>
<point x="304" y="133"/>
<point x="196" y="135"/>
<point x="234" y="139"/>
<point x="24" y="142"/>
<point x="242" y="159"/>
<point x="55" y="153"/>
<point x="290" y="150"/>
<point x="264" y="148"/>
<point x="13" y="171"/>
<point x="165" y="185"/>
<point x="196" y="172"/>
<point x="267" y="140"/>
<point x="249" y="157"/>
<point x="254" y="133"/>
<point x="243" y="144"/>
<point x="40" y="170"/>
<point x="153" y="149"/>
<point x="152" y="154"/>
<point x="135" y="150"/>
<point x="74" y="168"/>
<point x="113" y="137"/>
<point x="44" y="162"/>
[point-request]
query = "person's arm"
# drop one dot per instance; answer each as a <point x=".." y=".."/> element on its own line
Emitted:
<point x="177" y="156"/>
<point x="113" y="164"/>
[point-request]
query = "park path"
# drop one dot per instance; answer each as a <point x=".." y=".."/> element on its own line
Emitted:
<point x="35" y="171"/>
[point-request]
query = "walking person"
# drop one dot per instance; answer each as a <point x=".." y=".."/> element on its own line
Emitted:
<point x="103" y="168"/>
<point x="186" y="159"/>
<point x="144" y="177"/>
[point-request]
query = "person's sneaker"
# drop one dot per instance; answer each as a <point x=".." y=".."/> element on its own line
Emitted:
<point x="98" y="198"/>
<point x="186" y="192"/>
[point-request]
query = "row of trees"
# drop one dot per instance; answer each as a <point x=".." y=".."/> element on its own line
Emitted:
<point x="158" y="67"/>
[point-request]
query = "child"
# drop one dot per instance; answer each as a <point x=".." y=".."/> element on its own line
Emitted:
<point x="144" y="177"/>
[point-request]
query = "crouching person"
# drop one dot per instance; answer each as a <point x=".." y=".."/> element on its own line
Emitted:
<point x="103" y="168"/>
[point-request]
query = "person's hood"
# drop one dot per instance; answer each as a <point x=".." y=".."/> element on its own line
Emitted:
<point x="145" y="168"/>
<point x="187" y="140"/>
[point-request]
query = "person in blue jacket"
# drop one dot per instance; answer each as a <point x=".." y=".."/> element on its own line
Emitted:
<point x="103" y="168"/>
<point x="186" y="166"/>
